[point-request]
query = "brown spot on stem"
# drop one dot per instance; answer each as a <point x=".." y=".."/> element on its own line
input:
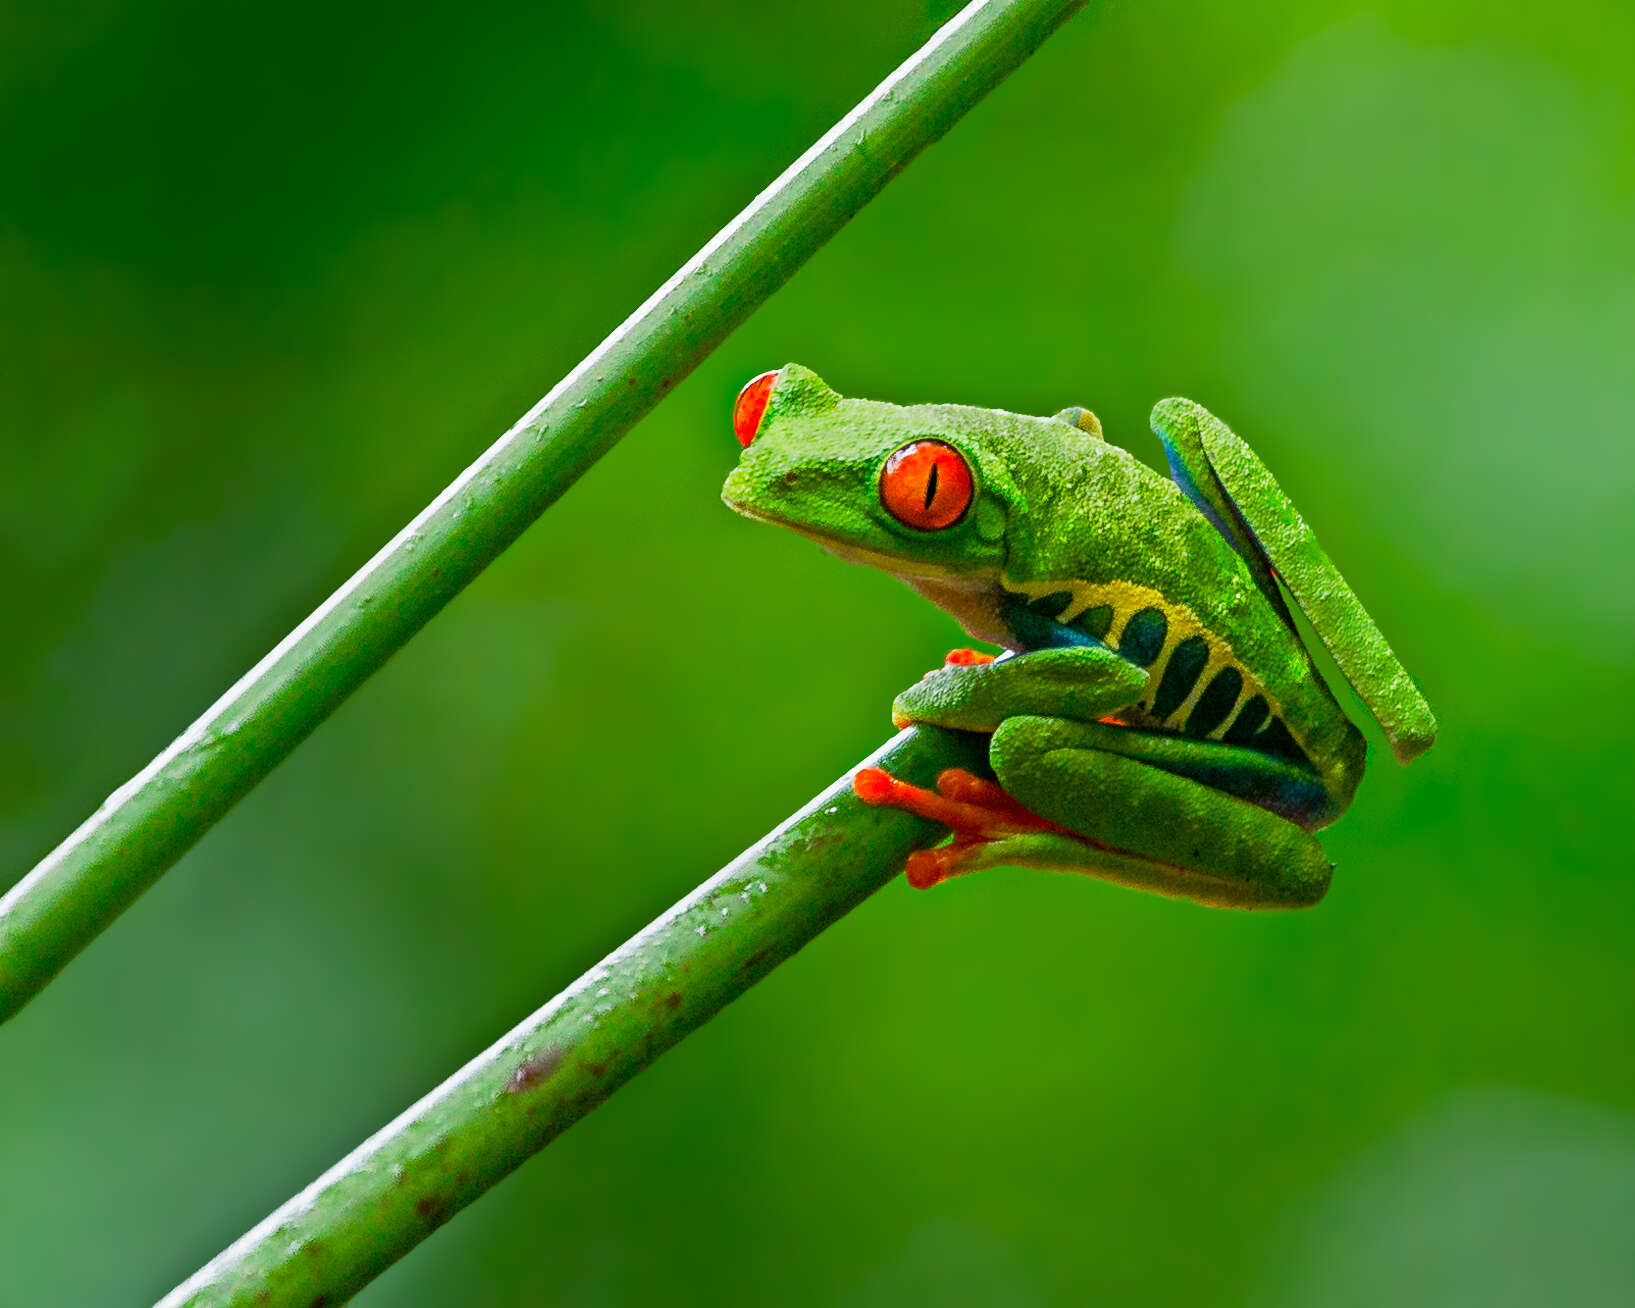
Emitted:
<point x="673" y="999"/>
<point x="534" y="1070"/>
<point x="596" y="1069"/>
<point x="432" y="1207"/>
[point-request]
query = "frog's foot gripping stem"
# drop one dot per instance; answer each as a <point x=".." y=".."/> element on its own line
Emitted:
<point x="977" y="811"/>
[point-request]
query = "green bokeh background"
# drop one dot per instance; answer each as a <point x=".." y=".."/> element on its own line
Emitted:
<point x="270" y="278"/>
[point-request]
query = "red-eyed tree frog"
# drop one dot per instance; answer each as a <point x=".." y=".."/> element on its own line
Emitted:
<point x="1154" y="718"/>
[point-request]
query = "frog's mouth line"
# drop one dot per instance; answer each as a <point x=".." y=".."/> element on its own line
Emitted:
<point x="843" y="549"/>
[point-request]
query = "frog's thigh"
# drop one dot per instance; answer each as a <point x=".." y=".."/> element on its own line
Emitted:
<point x="1164" y="832"/>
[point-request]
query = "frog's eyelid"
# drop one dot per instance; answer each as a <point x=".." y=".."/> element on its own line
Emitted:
<point x="750" y="407"/>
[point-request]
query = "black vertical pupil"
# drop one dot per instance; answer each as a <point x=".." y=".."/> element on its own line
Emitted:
<point x="931" y="488"/>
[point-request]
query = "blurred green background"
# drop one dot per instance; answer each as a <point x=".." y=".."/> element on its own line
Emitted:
<point x="270" y="278"/>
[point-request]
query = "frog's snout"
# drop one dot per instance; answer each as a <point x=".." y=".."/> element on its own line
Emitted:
<point x="762" y="488"/>
<point x="736" y="491"/>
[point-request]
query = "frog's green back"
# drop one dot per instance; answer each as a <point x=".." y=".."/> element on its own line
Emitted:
<point x="1118" y="552"/>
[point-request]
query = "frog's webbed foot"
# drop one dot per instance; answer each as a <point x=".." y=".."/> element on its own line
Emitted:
<point x="978" y="812"/>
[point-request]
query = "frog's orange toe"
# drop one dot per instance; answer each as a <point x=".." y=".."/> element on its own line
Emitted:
<point x="874" y="785"/>
<point x="930" y="867"/>
<point x="966" y="658"/>
<point x="977" y="811"/>
<point x="968" y="788"/>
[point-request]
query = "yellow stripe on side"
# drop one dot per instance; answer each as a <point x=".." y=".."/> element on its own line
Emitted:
<point x="1127" y="599"/>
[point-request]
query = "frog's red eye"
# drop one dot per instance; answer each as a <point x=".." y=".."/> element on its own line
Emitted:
<point x="751" y="404"/>
<point x="926" y="484"/>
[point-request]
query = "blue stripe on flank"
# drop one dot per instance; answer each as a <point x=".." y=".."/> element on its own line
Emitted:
<point x="1253" y="717"/>
<point x="1215" y="703"/>
<point x="1033" y="629"/>
<point x="1143" y="637"/>
<point x="1274" y="739"/>
<point x="1051" y="606"/>
<point x="1295" y="797"/>
<point x="1186" y="664"/>
<point x="1096" y="622"/>
<point x="1279" y="785"/>
<point x="1182" y="476"/>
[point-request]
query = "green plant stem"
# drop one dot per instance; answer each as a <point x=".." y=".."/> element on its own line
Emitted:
<point x="372" y="1207"/>
<point x="153" y="819"/>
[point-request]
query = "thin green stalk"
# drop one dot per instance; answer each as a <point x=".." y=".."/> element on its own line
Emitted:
<point x="153" y="819"/>
<point x="396" y="1188"/>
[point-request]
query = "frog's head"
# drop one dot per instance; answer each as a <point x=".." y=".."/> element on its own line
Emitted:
<point x="921" y="491"/>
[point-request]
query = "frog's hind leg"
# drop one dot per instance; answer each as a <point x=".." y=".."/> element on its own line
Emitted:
<point x="1267" y="781"/>
<point x="990" y="829"/>
<point x="1145" y="825"/>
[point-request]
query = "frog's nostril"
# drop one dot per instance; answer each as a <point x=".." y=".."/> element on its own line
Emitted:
<point x="750" y="406"/>
<point x="791" y="477"/>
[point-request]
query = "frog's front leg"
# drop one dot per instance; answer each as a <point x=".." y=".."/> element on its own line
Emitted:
<point x="1083" y="682"/>
<point x="976" y="693"/>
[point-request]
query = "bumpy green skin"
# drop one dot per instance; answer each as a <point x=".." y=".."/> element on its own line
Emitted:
<point x="1072" y="555"/>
